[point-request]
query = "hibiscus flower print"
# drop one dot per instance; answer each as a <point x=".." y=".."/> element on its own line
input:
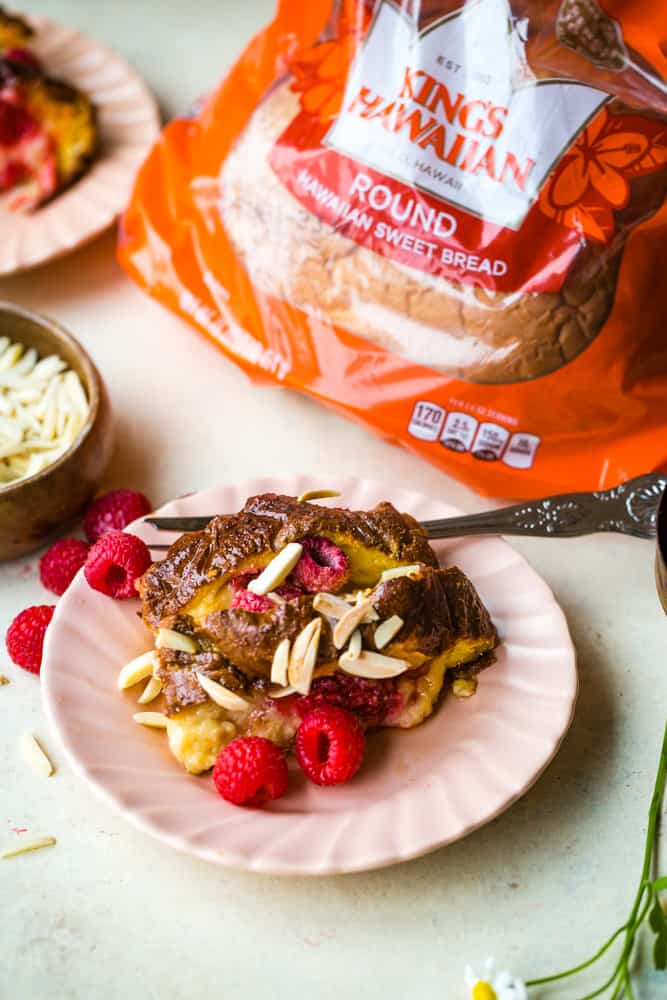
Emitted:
<point x="592" y="179"/>
<point x="320" y="72"/>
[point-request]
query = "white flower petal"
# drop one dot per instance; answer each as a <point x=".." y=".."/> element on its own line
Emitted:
<point x="470" y="976"/>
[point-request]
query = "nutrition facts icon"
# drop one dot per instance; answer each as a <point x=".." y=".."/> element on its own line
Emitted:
<point x="459" y="431"/>
<point x="490" y="442"/>
<point x="521" y="450"/>
<point x="426" y="420"/>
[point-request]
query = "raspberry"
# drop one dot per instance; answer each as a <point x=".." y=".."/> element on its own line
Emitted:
<point x="25" y="636"/>
<point x="59" y="564"/>
<point x="330" y="745"/>
<point x="322" y="566"/>
<point x="251" y="602"/>
<point x="23" y="57"/>
<point x="371" y="701"/>
<point x="15" y="123"/>
<point x="289" y="591"/>
<point x="115" y="563"/>
<point x="13" y="173"/>
<point x="113" y="512"/>
<point x="244" y="598"/>
<point x="249" y="770"/>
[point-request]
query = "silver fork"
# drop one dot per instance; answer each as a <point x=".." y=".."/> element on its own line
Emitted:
<point x="630" y="509"/>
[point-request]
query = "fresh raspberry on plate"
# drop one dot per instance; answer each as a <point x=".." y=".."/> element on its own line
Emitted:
<point x="25" y="636"/>
<point x="322" y="566"/>
<point x="59" y="564"/>
<point x="114" y="511"/>
<point x="115" y="563"/>
<point x="249" y="770"/>
<point x="330" y="745"/>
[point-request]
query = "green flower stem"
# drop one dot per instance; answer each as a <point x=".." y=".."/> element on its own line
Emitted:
<point x="630" y="993"/>
<point x="584" y="965"/>
<point x="645" y="896"/>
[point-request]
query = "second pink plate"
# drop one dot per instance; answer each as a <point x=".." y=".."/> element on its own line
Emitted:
<point x="417" y="790"/>
<point x="128" y="123"/>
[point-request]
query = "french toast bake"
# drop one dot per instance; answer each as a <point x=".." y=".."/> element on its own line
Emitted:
<point x="289" y="605"/>
<point x="48" y="127"/>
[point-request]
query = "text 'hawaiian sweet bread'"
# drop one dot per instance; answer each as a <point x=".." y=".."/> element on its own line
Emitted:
<point x="433" y="217"/>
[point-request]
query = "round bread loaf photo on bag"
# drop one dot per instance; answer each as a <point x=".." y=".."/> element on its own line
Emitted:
<point x="470" y="218"/>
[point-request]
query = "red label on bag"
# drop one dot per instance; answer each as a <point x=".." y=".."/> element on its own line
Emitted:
<point x="419" y="230"/>
<point x="441" y="166"/>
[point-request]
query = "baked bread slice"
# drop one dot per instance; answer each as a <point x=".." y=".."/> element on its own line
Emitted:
<point x="194" y="578"/>
<point x="15" y="32"/>
<point x="414" y="622"/>
<point x="48" y="128"/>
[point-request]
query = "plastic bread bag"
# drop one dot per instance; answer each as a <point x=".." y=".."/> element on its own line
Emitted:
<point x="445" y="220"/>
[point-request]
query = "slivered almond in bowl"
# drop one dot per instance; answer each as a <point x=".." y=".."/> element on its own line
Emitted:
<point x="245" y="633"/>
<point x="227" y="681"/>
<point x="55" y="429"/>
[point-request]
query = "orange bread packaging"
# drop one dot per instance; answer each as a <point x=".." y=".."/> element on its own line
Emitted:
<point x="446" y="220"/>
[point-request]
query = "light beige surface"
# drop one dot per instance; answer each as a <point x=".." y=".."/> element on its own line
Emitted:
<point x="107" y="913"/>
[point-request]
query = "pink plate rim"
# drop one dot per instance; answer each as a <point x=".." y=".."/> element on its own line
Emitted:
<point x="423" y="789"/>
<point x="128" y="121"/>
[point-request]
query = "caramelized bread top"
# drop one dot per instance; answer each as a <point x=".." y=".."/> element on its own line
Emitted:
<point x="193" y="577"/>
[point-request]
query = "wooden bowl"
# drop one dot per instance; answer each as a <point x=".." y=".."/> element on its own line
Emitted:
<point x="32" y="508"/>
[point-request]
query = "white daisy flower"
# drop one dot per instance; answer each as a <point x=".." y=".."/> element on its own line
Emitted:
<point x="494" y="984"/>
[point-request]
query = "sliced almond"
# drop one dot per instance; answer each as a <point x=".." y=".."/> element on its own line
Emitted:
<point x="317" y="495"/>
<point x="392" y="574"/>
<point x="36" y="756"/>
<point x="3" y="680"/>
<point x="151" y="691"/>
<point x="360" y="597"/>
<point x="277" y="571"/>
<point x="354" y="645"/>
<point x="168" y="639"/>
<point x="221" y="695"/>
<point x="386" y="631"/>
<point x="136" y="670"/>
<point x="28" y="845"/>
<point x="374" y="666"/>
<point x="282" y="692"/>
<point x="154" y="720"/>
<point x="304" y="656"/>
<point x="350" y="620"/>
<point x="277" y="599"/>
<point x="464" y="687"/>
<point x="330" y="605"/>
<point x="280" y="663"/>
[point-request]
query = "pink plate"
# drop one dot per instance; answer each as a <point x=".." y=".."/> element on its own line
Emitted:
<point x="417" y="790"/>
<point x="128" y="122"/>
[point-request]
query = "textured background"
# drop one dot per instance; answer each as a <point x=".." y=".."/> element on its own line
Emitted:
<point x="110" y="914"/>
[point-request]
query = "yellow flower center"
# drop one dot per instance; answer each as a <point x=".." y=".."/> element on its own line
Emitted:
<point x="483" y="991"/>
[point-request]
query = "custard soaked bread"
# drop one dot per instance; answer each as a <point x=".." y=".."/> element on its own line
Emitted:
<point x="48" y="128"/>
<point x="236" y="656"/>
<point x="194" y="578"/>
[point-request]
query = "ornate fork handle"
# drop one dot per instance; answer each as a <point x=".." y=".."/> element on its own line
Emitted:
<point x="630" y="508"/>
